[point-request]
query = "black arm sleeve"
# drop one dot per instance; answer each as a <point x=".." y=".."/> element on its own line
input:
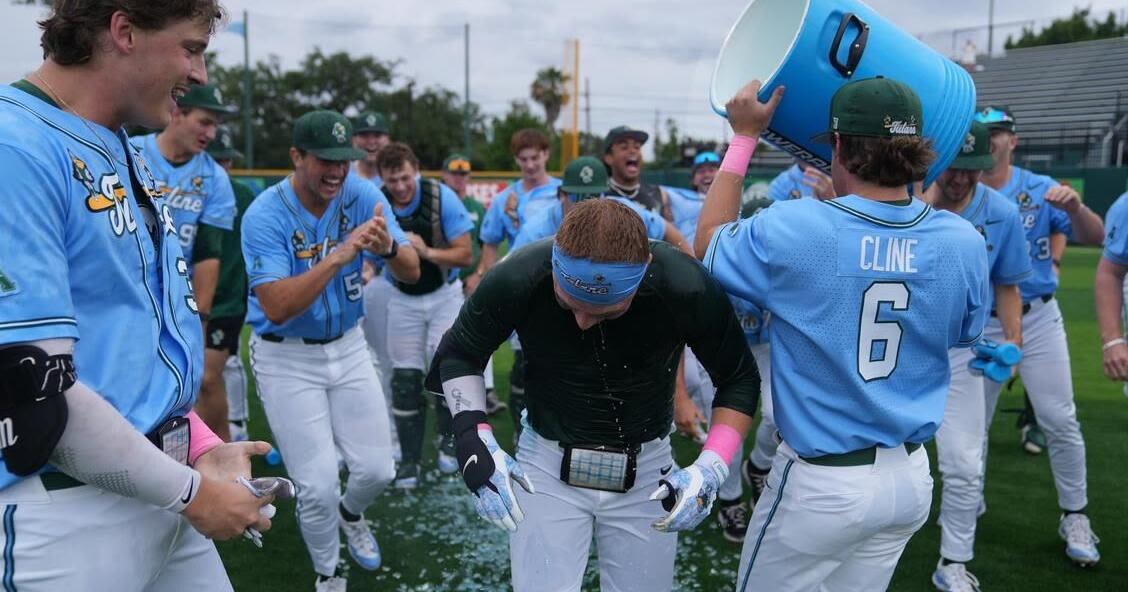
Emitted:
<point x="719" y="343"/>
<point x="209" y="243"/>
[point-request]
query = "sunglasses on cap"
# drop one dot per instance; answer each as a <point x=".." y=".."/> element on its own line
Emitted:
<point x="993" y="115"/>
<point x="459" y="167"/>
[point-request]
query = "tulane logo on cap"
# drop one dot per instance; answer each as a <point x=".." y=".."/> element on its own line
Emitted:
<point x="340" y="133"/>
<point x="586" y="174"/>
<point x="969" y="144"/>
<point x="371" y="119"/>
<point x="218" y="97"/>
<point x="900" y="127"/>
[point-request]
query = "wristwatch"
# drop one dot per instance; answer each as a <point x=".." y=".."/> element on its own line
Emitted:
<point x="391" y="254"/>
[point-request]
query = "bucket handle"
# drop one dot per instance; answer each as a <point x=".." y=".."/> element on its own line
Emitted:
<point x="856" y="48"/>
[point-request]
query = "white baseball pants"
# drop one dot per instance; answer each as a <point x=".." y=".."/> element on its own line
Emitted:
<point x="764" y="449"/>
<point x="318" y="399"/>
<point x="701" y="392"/>
<point x="959" y="450"/>
<point x="549" y="551"/>
<point x="235" y="382"/>
<point x="416" y="324"/>
<point x="84" y="539"/>
<point x="1045" y="372"/>
<point x="834" y="529"/>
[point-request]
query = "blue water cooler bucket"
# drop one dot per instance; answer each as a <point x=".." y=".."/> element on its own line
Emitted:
<point x="813" y="47"/>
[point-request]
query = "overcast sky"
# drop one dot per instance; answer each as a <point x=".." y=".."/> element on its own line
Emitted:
<point x="640" y="56"/>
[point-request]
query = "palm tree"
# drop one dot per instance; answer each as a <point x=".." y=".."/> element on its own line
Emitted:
<point x="550" y="90"/>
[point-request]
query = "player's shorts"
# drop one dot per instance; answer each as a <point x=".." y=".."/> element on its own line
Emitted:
<point x="223" y="334"/>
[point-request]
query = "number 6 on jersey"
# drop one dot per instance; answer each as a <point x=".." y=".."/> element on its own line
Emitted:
<point x="879" y="342"/>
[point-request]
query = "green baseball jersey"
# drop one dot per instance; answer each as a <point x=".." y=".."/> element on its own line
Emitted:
<point x="614" y="383"/>
<point x="231" y="292"/>
<point x="477" y="213"/>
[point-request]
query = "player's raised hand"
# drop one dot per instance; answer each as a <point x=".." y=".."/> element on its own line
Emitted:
<point x="488" y="471"/>
<point x="746" y="114"/>
<point x="688" y="493"/>
<point x="1064" y="197"/>
<point x="820" y="183"/>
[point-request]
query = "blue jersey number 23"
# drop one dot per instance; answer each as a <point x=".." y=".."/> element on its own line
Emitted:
<point x="879" y="342"/>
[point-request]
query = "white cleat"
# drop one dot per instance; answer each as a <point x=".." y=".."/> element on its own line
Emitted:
<point x="954" y="577"/>
<point x="1080" y="541"/>
<point x="333" y="584"/>
<point x="362" y="545"/>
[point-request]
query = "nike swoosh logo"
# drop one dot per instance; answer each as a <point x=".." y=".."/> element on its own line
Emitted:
<point x="472" y="460"/>
<point x="666" y="469"/>
<point x="992" y="221"/>
<point x="191" y="485"/>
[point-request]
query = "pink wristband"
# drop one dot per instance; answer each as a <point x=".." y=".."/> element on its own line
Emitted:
<point x="485" y="426"/>
<point x="724" y="440"/>
<point x="202" y="440"/>
<point x="738" y="154"/>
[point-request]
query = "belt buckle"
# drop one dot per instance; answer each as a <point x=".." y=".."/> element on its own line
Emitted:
<point x="604" y="468"/>
<point x="173" y="437"/>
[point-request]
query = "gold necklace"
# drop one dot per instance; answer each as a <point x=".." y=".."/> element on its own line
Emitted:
<point x="66" y="107"/>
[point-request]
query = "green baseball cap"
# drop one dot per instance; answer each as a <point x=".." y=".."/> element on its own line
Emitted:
<point x="996" y="117"/>
<point x="586" y="177"/>
<point x="370" y="121"/>
<point x="975" y="155"/>
<point x="876" y="108"/>
<point x="205" y="96"/>
<point x="326" y="134"/>
<point x="223" y="146"/>
<point x="621" y="132"/>
<point x="457" y="164"/>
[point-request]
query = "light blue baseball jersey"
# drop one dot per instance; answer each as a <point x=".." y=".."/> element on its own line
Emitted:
<point x="455" y="218"/>
<point x="1116" y="232"/>
<point x="281" y="239"/>
<point x="686" y="206"/>
<point x="1039" y="219"/>
<point x="789" y="185"/>
<point x="997" y="219"/>
<point x="198" y="191"/>
<point x="498" y="226"/>
<point x="548" y="221"/>
<point x="82" y="259"/>
<point x="866" y="299"/>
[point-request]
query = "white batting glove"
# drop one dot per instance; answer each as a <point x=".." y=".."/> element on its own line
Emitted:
<point x="488" y="471"/>
<point x="688" y="494"/>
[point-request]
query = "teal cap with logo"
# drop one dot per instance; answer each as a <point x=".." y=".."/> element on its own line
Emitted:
<point x="585" y="177"/>
<point x="370" y="121"/>
<point x="223" y="146"/>
<point x="875" y="108"/>
<point x="975" y="154"/>
<point x="207" y="97"/>
<point x="327" y="135"/>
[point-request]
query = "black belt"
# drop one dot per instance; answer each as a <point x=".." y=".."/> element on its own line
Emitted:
<point x="271" y="337"/>
<point x="164" y="435"/>
<point x="1026" y="305"/>
<point x="857" y="458"/>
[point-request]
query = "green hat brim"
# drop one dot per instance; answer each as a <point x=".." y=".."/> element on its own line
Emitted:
<point x="229" y="154"/>
<point x="983" y="162"/>
<point x="375" y="128"/>
<point x="224" y="110"/>
<point x="584" y="189"/>
<point x="339" y="154"/>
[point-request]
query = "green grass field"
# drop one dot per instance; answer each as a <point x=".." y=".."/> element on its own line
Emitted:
<point x="432" y="540"/>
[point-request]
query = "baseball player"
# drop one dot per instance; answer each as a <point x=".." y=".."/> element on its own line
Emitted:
<point x="962" y="435"/>
<point x="302" y="242"/>
<point x="685" y="204"/>
<point x="603" y="314"/>
<point x="1045" y="208"/>
<point x="622" y="153"/>
<point x="203" y="206"/>
<point x="223" y="368"/>
<point x="370" y="135"/>
<point x="438" y="226"/>
<point x="1108" y="289"/>
<point x="586" y="178"/>
<point x="456" y="175"/>
<point x="863" y="335"/>
<point x="801" y="180"/>
<point x="509" y="209"/>
<point x="102" y="482"/>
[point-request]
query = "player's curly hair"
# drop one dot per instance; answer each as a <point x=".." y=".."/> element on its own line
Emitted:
<point x="889" y="162"/>
<point x="71" y="32"/>
<point x="528" y="138"/>
<point x="394" y="156"/>
<point x="604" y="230"/>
